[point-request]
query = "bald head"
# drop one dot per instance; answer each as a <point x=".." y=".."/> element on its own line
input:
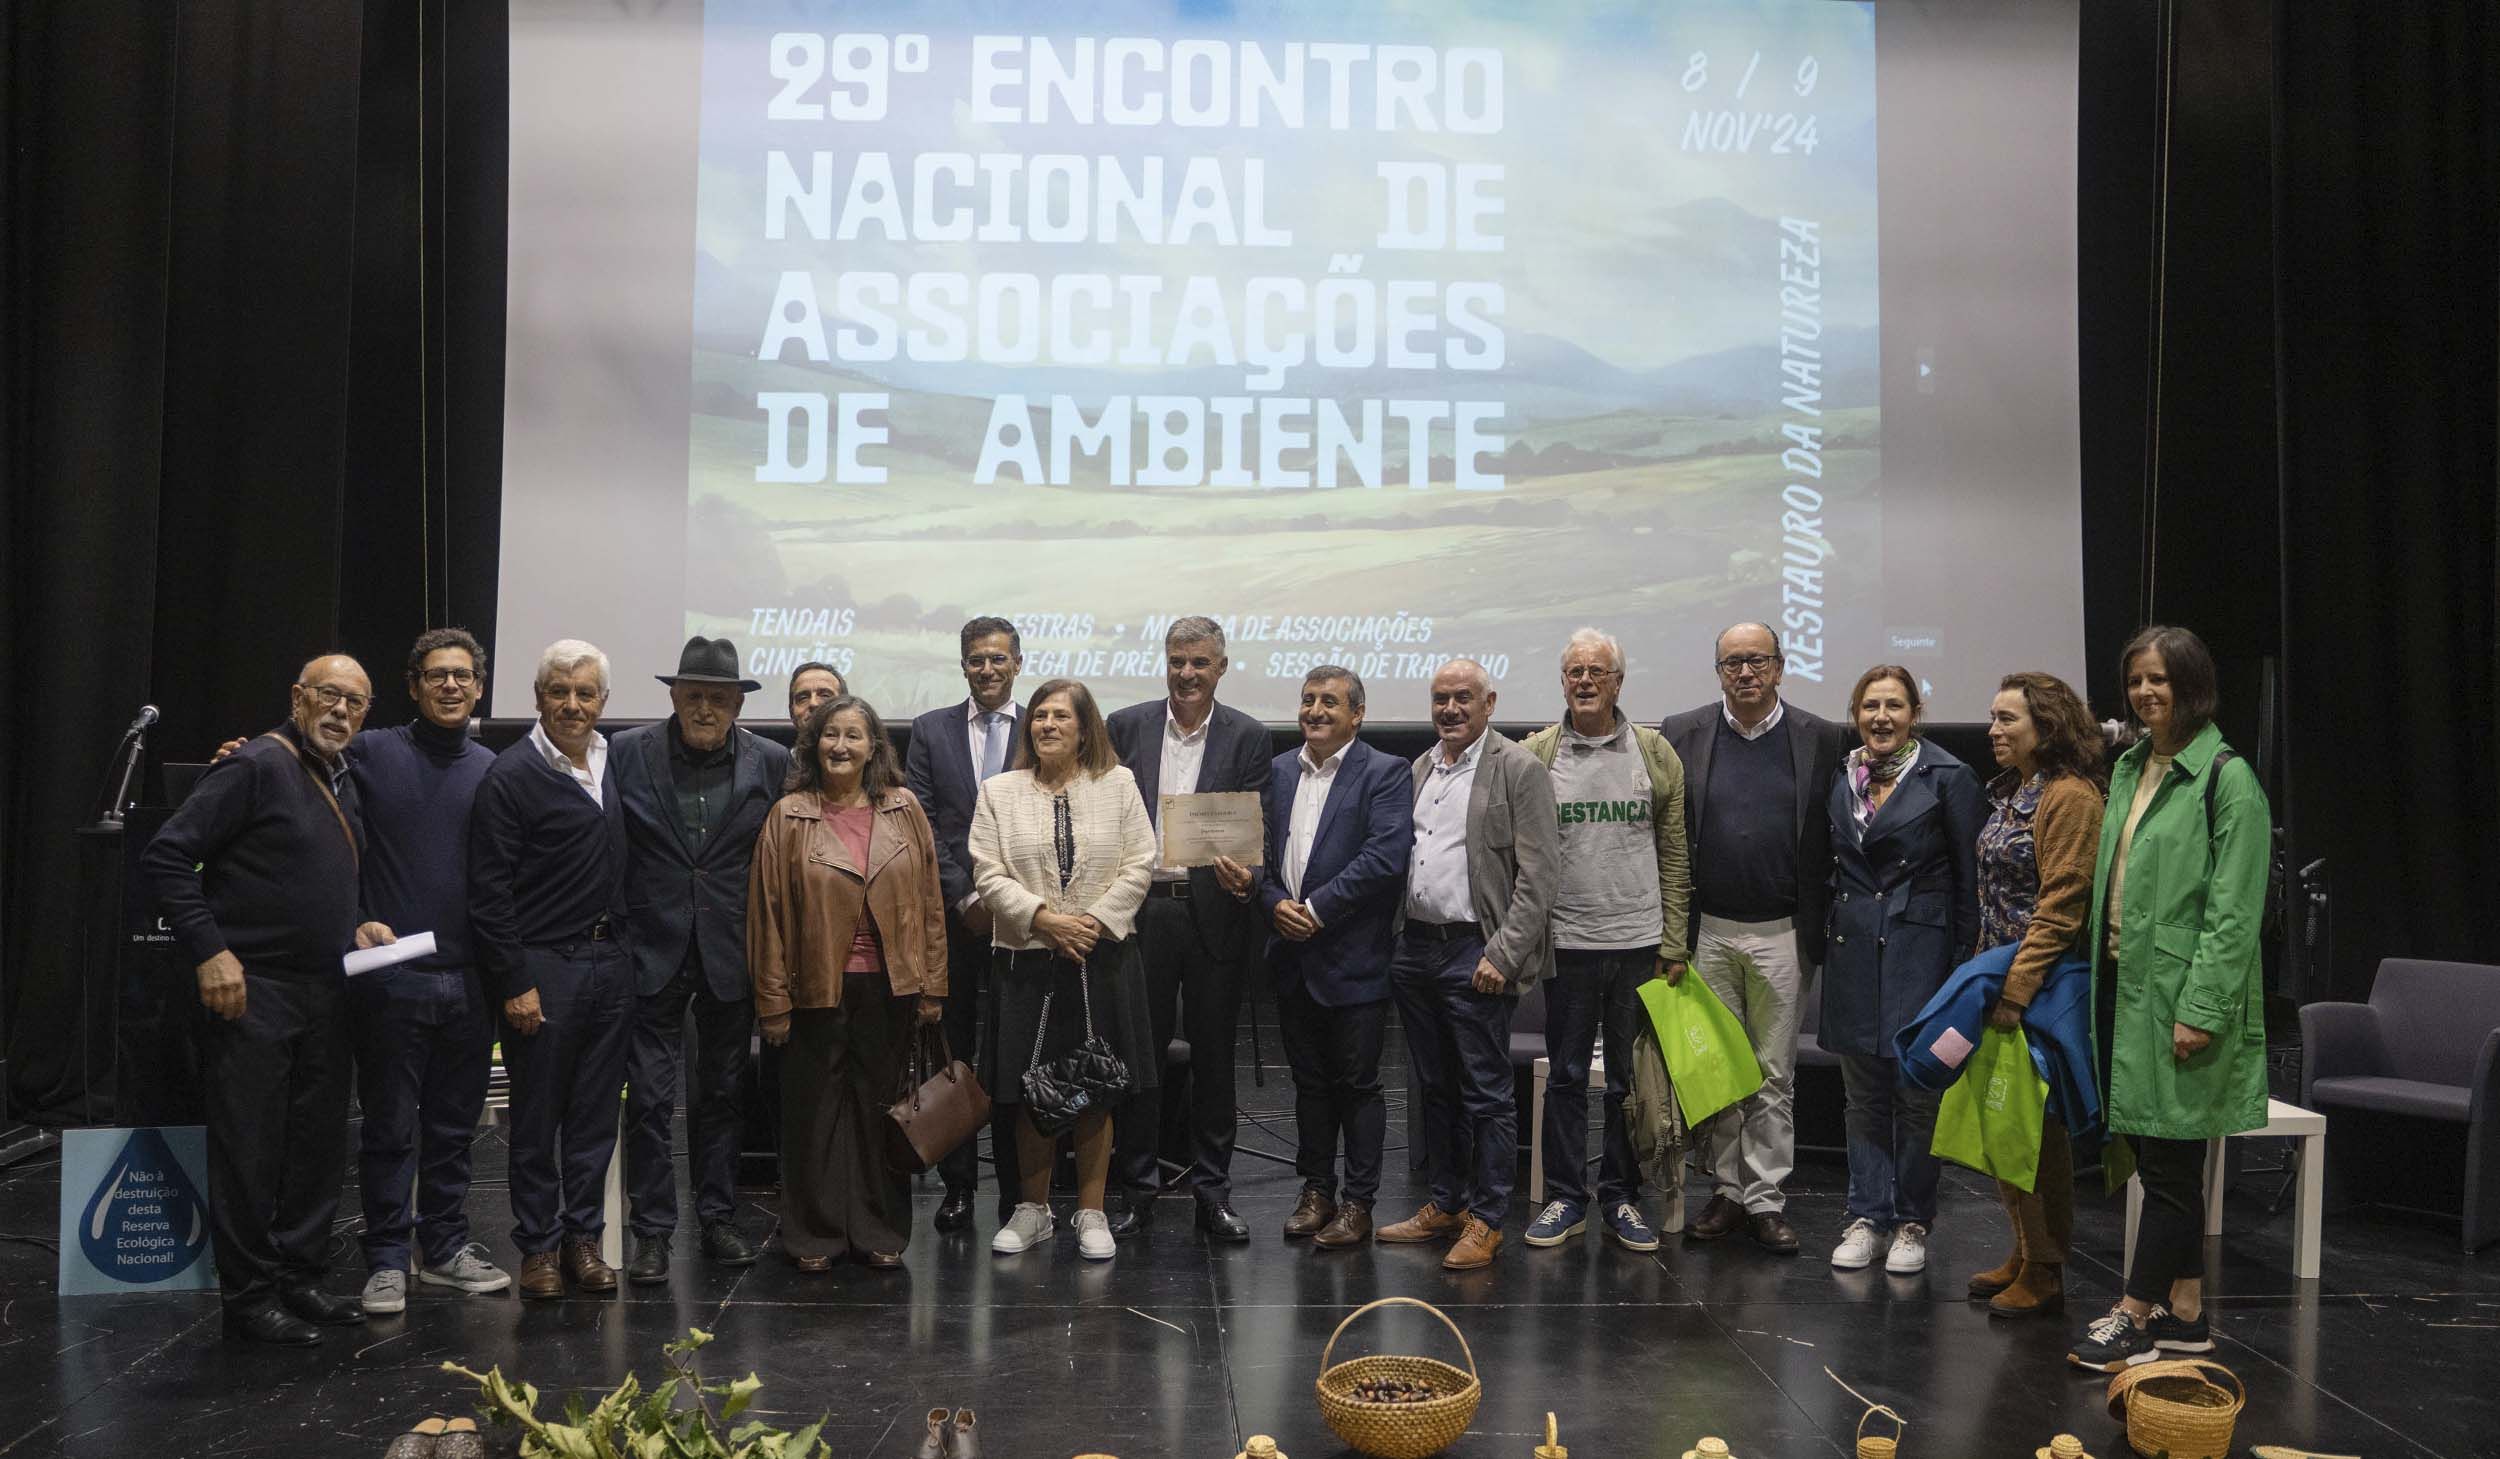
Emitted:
<point x="1748" y="659"/>
<point x="330" y="698"/>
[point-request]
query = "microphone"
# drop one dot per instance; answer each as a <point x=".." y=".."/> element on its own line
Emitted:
<point x="147" y="717"/>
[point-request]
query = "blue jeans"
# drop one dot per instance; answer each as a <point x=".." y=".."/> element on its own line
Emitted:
<point x="1590" y="990"/>
<point x="1892" y="1174"/>
<point x="1458" y="1048"/>
<point x="422" y="1040"/>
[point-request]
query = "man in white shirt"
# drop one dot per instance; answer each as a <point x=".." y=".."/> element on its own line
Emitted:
<point x="1195" y="933"/>
<point x="952" y="751"/>
<point x="1474" y="937"/>
<point x="1339" y="826"/>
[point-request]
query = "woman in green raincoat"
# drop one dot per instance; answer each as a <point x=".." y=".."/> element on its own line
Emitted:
<point x="2178" y="896"/>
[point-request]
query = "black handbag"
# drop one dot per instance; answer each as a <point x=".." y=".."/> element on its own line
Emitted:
<point x="1086" y="1078"/>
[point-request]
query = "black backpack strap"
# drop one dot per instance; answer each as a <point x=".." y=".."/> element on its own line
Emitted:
<point x="2213" y="777"/>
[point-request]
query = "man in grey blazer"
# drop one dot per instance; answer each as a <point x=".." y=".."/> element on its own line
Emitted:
<point x="1474" y="935"/>
<point x="1755" y="773"/>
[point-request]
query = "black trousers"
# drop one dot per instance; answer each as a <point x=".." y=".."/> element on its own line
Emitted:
<point x="1464" y="1114"/>
<point x="1335" y="1057"/>
<point x="1589" y="992"/>
<point x="565" y="1082"/>
<point x="276" y="1083"/>
<point x="839" y="1195"/>
<point x="970" y="1002"/>
<point x="424" y="1042"/>
<point x="2170" y="1235"/>
<point x="724" y="1028"/>
<point x="1206" y="990"/>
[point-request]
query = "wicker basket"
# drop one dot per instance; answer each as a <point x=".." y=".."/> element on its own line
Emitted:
<point x="1398" y="1430"/>
<point x="2175" y="1408"/>
<point x="1879" y="1446"/>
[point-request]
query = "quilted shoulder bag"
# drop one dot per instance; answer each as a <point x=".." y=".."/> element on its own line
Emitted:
<point x="1086" y="1078"/>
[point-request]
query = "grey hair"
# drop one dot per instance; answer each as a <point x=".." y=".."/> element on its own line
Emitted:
<point x="567" y="654"/>
<point x="1593" y="638"/>
<point x="1196" y="628"/>
<point x="1777" y="652"/>
<point x="1484" y="681"/>
<point x="1326" y="673"/>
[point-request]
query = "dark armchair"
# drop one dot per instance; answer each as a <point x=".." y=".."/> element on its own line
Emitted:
<point x="2426" y="1046"/>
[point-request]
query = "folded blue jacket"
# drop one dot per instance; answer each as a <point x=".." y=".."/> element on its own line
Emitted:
<point x="1933" y="1046"/>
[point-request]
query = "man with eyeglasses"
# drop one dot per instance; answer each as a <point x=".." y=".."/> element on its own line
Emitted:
<point x="547" y="905"/>
<point x="695" y="788"/>
<point x="1755" y="773"/>
<point x="424" y="1032"/>
<point x="813" y="684"/>
<point x="257" y="876"/>
<point x="952" y="751"/>
<point x="1620" y="918"/>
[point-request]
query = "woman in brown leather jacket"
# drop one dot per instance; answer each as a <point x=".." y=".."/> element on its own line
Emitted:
<point x="846" y="947"/>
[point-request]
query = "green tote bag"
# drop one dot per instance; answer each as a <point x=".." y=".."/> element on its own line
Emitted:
<point x="1708" y="1054"/>
<point x="1990" y="1118"/>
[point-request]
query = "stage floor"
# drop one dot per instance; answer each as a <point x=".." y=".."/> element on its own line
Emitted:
<point x="1179" y="1350"/>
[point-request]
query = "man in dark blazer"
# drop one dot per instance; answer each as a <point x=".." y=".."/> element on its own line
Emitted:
<point x="952" y="751"/>
<point x="1755" y="773"/>
<point x="1197" y="928"/>
<point x="1475" y="934"/>
<point x="695" y="788"/>
<point x="1339" y="827"/>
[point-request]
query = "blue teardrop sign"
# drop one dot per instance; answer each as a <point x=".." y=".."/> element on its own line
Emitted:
<point x="145" y="1222"/>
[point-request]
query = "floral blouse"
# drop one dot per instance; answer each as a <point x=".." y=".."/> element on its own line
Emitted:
<point x="2009" y="869"/>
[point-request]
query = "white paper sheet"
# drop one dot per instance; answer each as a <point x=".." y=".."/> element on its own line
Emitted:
<point x="373" y="959"/>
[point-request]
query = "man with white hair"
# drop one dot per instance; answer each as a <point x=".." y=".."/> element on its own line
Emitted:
<point x="547" y="911"/>
<point x="1620" y="906"/>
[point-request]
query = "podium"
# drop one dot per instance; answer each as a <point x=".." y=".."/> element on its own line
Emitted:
<point x="137" y="1059"/>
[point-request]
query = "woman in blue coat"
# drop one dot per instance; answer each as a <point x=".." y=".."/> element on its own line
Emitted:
<point x="1905" y="909"/>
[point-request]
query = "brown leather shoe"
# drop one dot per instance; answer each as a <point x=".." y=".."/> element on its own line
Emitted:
<point x="1477" y="1243"/>
<point x="2039" y="1291"/>
<point x="1312" y="1212"/>
<point x="540" y="1276"/>
<point x="1351" y="1226"/>
<point x="1722" y="1217"/>
<point x="1773" y="1234"/>
<point x="584" y="1268"/>
<point x="1429" y="1224"/>
<point x="1999" y="1277"/>
<point x="812" y="1263"/>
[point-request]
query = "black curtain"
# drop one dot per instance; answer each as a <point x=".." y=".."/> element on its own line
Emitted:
<point x="181" y="197"/>
<point x="2389" y="164"/>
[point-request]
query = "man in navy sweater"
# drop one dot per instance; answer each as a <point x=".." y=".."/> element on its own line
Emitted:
<point x="547" y="917"/>
<point x="424" y="1032"/>
<point x="256" y="873"/>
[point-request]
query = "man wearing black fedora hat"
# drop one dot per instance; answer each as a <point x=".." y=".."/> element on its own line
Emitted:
<point x="695" y="789"/>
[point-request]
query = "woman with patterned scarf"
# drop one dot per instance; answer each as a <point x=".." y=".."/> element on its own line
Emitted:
<point x="1905" y="909"/>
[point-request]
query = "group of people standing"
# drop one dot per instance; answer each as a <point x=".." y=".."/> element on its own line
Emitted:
<point x="1002" y="883"/>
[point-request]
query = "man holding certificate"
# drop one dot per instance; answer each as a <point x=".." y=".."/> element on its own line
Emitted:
<point x="1194" y="761"/>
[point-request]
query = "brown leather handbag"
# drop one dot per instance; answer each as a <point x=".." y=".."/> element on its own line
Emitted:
<point x="941" y="1106"/>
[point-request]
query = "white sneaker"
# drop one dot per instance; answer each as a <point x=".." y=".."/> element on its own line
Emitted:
<point x="386" y="1291"/>
<point x="1029" y="1227"/>
<point x="1093" y="1236"/>
<point x="1909" y="1250"/>
<point x="1857" y="1246"/>
<point x="469" y="1270"/>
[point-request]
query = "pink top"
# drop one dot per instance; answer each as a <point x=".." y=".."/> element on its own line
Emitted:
<point x="853" y="824"/>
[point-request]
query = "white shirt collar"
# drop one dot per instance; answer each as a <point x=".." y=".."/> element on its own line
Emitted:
<point x="1467" y="758"/>
<point x="1779" y="707"/>
<point x="1172" y="725"/>
<point x="1327" y="766"/>
<point x="973" y="710"/>
<point x="557" y="760"/>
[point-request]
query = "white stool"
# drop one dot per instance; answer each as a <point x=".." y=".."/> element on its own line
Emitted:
<point x="1538" y="1074"/>
<point x="2309" y="1127"/>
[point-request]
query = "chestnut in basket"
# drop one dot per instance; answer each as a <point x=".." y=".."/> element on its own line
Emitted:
<point x="1395" y="1390"/>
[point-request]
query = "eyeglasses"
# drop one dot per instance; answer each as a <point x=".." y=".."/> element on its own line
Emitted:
<point x="1580" y="673"/>
<point x="437" y="678"/>
<point x="1735" y="664"/>
<point x="987" y="661"/>
<point x="332" y="696"/>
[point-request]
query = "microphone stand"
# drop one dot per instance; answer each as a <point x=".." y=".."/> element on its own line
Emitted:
<point x="127" y="758"/>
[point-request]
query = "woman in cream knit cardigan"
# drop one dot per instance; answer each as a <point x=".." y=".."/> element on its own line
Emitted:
<point x="1061" y="856"/>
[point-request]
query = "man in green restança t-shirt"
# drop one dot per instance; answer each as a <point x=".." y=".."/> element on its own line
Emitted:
<point x="1619" y="918"/>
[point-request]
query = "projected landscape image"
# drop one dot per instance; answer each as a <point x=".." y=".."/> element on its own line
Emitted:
<point x="1685" y="403"/>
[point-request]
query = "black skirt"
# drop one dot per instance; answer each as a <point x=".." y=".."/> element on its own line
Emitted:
<point x="1018" y="981"/>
